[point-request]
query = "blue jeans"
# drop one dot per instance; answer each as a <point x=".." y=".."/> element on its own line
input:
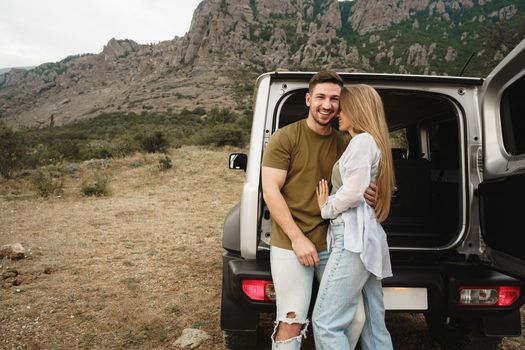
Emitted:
<point x="345" y="277"/>
<point x="293" y="288"/>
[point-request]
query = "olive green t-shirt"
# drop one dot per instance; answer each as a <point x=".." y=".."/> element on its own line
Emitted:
<point x="307" y="157"/>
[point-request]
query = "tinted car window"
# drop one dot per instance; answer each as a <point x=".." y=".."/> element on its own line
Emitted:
<point x="513" y="117"/>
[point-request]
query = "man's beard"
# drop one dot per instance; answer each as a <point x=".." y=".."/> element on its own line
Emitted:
<point x="318" y="121"/>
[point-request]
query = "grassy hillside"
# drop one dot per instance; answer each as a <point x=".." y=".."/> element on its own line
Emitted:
<point x="118" y="134"/>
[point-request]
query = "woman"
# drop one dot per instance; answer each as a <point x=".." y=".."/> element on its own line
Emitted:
<point x="359" y="256"/>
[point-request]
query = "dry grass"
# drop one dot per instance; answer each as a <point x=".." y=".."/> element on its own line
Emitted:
<point x="133" y="269"/>
<point x="130" y="270"/>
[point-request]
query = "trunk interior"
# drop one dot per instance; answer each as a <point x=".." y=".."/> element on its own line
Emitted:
<point x="425" y="210"/>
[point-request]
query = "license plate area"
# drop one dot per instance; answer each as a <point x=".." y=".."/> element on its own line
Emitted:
<point x="398" y="298"/>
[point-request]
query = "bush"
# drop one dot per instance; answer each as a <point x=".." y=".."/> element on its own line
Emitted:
<point x="13" y="151"/>
<point x="47" y="182"/>
<point x="70" y="168"/>
<point x="96" y="185"/>
<point x="165" y="162"/>
<point x="221" y="116"/>
<point x="228" y="134"/>
<point x="220" y="135"/>
<point x="96" y="164"/>
<point x="125" y="145"/>
<point x="64" y="149"/>
<point x="100" y="151"/>
<point x="154" y="143"/>
<point x="134" y="164"/>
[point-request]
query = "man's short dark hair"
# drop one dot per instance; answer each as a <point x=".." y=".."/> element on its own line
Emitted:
<point x="325" y="76"/>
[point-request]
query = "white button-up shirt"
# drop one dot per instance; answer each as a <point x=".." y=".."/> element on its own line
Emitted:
<point x="363" y="234"/>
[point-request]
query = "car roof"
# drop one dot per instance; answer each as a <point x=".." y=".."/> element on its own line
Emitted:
<point x="402" y="78"/>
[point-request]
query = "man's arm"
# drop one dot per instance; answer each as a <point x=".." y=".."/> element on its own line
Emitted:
<point x="371" y="195"/>
<point x="272" y="181"/>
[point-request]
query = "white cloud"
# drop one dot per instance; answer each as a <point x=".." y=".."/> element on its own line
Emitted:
<point x="35" y="31"/>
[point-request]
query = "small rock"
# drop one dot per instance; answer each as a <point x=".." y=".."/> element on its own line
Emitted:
<point x="191" y="338"/>
<point x="13" y="251"/>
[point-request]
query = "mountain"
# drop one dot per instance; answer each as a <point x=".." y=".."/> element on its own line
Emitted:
<point x="230" y="42"/>
<point x="5" y="70"/>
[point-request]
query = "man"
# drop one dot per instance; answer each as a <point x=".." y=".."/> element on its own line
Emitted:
<point x="297" y="157"/>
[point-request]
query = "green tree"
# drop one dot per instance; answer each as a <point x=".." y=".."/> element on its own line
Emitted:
<point x="13" y="150"/>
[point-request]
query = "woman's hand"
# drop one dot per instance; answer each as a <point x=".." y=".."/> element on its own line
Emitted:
<point x="322" y="192"/>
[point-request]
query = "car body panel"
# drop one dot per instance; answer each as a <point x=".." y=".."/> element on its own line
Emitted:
<point x="502" y="191"/>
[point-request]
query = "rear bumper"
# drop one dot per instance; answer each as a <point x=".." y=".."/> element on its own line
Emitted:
<point x="441" y="281"/>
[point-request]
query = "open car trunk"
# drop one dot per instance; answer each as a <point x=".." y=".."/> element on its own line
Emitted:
<point x="426" y="209"/>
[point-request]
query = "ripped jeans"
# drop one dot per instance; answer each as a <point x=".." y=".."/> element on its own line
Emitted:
<point x="293" y="288"/>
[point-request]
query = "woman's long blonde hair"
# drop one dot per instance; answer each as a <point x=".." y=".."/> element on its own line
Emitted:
<point x="363" y="105"/>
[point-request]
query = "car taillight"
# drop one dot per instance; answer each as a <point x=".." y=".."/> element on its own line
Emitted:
<point x="489" y="295"/>
<point x="508" y="295"/>
<point x="259" y="290"/>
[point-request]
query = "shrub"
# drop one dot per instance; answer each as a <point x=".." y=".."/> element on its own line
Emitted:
<point x="165" y="162"/>
<point x="125" y="145"/>
<point x="199" y="111"/>
<point x="227" y="134"/>
<point x="221" y="116"/>
<point x="220" y="135"/>
<point x="154" y="142"/>
<point x="13" y="151"/>
<point x="70" y="168"/>
<point x="101" y="151"/>
<point x="245" y="121"/>
<point x="64" y="149"/>
<point x="134" y="164"/>
<point x="36" y="156"/>
<point x="98" y="163"/>
<point x="47" y="182"/>
<point x="96" y="185"/>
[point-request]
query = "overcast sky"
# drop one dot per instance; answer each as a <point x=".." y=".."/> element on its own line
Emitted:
<point x="33" y="32"/>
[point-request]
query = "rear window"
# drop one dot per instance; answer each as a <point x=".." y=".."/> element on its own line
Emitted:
<point x="399" y="143"/>
<point x="513" y="117"/>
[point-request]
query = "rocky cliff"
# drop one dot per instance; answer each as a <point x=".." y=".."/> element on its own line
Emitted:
<point x="230" y="42"/>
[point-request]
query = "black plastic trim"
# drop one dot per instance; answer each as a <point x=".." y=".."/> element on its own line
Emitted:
<point x="232" y="230"/>
<point x="234" y="315"/>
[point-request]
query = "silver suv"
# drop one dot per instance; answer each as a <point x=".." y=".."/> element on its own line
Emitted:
<point x="455" y="229"/>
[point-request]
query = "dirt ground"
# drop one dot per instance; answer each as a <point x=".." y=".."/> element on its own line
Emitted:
<point x="133" y="269"/>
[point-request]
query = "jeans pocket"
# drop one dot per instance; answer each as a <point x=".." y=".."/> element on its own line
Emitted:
<point x="338" y="235"/>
